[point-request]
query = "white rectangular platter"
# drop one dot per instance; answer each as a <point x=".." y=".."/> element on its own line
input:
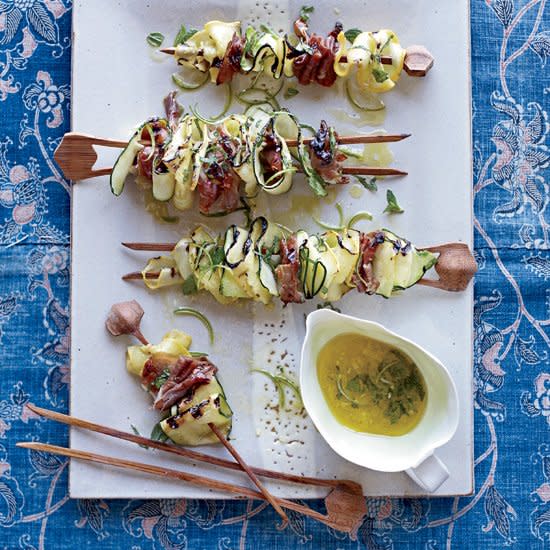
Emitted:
<point x="117" y="83"/>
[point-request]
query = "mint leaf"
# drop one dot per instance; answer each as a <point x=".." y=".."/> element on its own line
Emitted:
<point x="161" y="379"/>
<point x="184" y="35"/>
<point x="136" y="431"/>
<point x="157" y="434"/>
<point x="317" y="184"/>
<point x="368" y="183"/>
<point x="218" y="256"/>
<point x="355" y="385"/>
<point x="352" y="34"/>
<point x="268" y="30"/>
<point x="305" y="12"/>
<point x="290" y="92"/>
<point x="189" y="286"/>
<point x="392" y="207"/>
<point x="379" y="75"/>
<point x="155" y="39"/>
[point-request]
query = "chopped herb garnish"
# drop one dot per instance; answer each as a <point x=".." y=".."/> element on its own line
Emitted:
<point x="136" y="432"/>
<point x="184" y="35"/>
<point x="274" y="249"/>
<point x="268" y="30"/>
<point x="218" y="256"/>
<point x="352" y="34"/>
<point x="305" y="12"/>
<point x="201" y="317"/>
<point x="157" y="434"/>
<point x="342" y="392"/>
<point x="317" y="184"/>
<point x="392" y="207"/>
<point x="290" y="92"/>
<point x="368" y="182"/>
<point x="155" y="39"/>
<point x="189" y="286"/>
<point x="380" y="75"/>
<point x="355" y="385"/>
<point x="161" y="379"/>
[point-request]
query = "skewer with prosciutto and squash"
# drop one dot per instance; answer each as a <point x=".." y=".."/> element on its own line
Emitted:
<point x="265" y="263"/>
<point x="220" y="50"/>
<point x="222" y="161"/>
<point x="184" y="387"/>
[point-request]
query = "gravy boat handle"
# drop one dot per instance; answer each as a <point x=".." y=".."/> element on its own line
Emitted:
<point x="430" y="474"/>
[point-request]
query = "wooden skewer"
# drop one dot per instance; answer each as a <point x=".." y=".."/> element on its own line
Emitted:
<point x="355" y="140"/>
<point x="153" y="247"/>
<point x="76" y="155"/>
<point x="455" y="265"/>
<point x="418" y="60"/>
<point x="372" y="171"/>
<point x="269" y="497"/>
<point x="138" y="276"/>
<point x="340" y="516"/>
<point x="196" y="456"/>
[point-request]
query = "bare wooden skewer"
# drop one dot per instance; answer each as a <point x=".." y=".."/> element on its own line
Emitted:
<point x="340" y="516"/>
<point x="125" y="317"/>
<point x="249" y="472"/>
<point x="188" y="453"/>
<point x="356" y="140"/>
<point x="76" y="155"/>
<point x="455" y="265"/>
<point x="418" y="60"/>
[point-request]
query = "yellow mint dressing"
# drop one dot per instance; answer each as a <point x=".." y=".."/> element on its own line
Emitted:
<point x="371" y="386"/>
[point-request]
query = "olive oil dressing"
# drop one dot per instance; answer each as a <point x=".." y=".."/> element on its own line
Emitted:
<point x="371" y="386"/>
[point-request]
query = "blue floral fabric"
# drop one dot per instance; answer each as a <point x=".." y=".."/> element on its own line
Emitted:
<point x="511" y="503"/>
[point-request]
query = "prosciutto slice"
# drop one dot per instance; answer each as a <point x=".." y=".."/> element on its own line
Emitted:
<point x="326" y="160"/>
<point x="287" y="272"/>
<point x="364" y="278"/>
<point x="183" y="374"/>
<point x="316" y="64"/>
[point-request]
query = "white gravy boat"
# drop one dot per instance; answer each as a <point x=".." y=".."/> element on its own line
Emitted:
<point x="412" y="452"/>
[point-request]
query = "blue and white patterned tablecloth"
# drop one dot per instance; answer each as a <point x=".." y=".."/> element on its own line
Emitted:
<point x="511" y="504"/>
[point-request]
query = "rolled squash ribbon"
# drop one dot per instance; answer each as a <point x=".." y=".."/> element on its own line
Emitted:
<point x="265" y="262"/>
<point x="185" y="389"/>
<point x="221" y="50"/>
<point x="223" y="160"/>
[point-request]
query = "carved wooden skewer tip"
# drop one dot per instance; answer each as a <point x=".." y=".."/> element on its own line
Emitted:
<point x="456" y="267"/>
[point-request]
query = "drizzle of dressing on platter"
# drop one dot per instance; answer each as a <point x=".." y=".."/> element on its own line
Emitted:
<point x="356" y="191"/>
